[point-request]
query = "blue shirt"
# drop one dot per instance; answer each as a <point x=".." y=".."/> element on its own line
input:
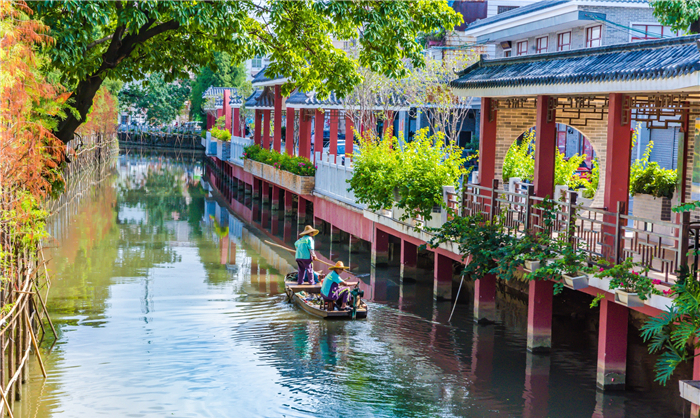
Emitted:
<point x="304" y="246"/>
<point x="328" y="281"/>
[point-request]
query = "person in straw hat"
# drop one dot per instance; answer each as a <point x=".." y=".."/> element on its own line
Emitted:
<point x="331" y="288"/>
<point x="305" y="255"/>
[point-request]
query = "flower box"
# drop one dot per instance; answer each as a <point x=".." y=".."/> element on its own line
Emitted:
<point x="301" y="185"/>
<point x="532" y="265"/>
<point x="575" y="282"/>
<point x="629" y="299"/>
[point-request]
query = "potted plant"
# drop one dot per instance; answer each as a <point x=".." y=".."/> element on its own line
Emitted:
<point x="629" y="281"/>
<point x="571" y="264"/>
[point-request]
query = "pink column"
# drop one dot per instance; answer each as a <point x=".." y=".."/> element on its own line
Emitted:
<point x="612" y="346"/>
<point x="257" y="135"/>
<point x="289" y="135"/>
<point x="536" y="393"/>
<point x="209" y="121"/>
<point x="277" y="142"/>
<point x="227" y="109"/>
<point x="304" y="134"/>
<point x="409" y="259"/>
<point x="539" y="310"/>
<point x="288" y="203"/>
<point x="276" y="196"/>
<point x="236" y="121"/>
<point x="485" y="299"/>
<point x="319" y="122"/>
<point x="442" y="274"/>
<point x="617" y="165"/>
<point x="265" y="191"/>
<point x="349" y="134"/>
<point x="266" y="128"/>
<point x="380" y="248"/>
<point x="333" y="145"/>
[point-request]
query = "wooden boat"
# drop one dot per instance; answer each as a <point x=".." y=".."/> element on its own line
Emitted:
<point x="299" y="294"/>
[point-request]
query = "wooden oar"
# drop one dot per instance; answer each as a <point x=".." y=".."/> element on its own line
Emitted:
<point x="294" y="251"/>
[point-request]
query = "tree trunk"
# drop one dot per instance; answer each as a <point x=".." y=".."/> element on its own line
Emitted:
<point x="82" y="101"/>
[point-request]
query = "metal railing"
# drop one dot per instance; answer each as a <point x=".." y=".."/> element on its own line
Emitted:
<point x="332" y="176"/>
<point x="600" y="233"/>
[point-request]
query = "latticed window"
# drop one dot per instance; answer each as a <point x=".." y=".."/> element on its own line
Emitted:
<point x="643" y="32"/>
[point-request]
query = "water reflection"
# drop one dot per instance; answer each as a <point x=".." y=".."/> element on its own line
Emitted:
<point x="169" y="303"/>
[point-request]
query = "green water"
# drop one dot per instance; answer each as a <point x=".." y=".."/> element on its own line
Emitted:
<point x="168" y="305"/>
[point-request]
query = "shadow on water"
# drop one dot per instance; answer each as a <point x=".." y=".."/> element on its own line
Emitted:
<point x="168" y="303"/>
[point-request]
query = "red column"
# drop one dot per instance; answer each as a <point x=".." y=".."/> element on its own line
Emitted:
<point x="304" y="134"/>
<point x="257" y="135"/>
<point x="289" y="134"/>
<point x="485" y="299"/>
<point x="349" y="134"/>
<point x="612" y="346"/>
<point x="277" y="142"/>
<point x="209" y="122"/>
<point x="266" y="128"/>
<point x="265" y="191"/>
<point x="301" y="211"/>
<point x="227" y="109"/>
<point x="536" y="393"/>
<point x="219" y="113"/>
<point x="539" y="310"/>
<point x="617" y="165"/>
<point x="276" y="195"/>
<point x="380" y="248"/>
<point x="319" y="123"/>
<point x="236" y="122"/>
<point x="389" y="125"/>
<point x="333" y="145"/>
<point x="487" y="143"/>
<point x="442" y="274"/>
<point x="288" y="203"/>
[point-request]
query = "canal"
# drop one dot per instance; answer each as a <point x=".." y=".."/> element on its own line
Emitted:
<point x="168" y="305"/>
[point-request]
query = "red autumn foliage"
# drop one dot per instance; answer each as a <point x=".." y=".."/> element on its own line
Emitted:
<point x="29" y="153"/>
<point x="102" y="119"/>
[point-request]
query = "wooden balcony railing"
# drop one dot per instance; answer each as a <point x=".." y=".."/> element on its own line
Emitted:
<point x="600" y="233"/>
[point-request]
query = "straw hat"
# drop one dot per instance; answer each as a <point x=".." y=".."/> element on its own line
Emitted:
<point x="338" y="266"/>
<point x="309" y="230"/>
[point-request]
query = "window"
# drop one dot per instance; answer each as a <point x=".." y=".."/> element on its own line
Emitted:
<point x="257" y="62"/>
<point x="506" y="53"/>
<point x="643" y="32"/>
<point x="542" y="44"/>
<point x="593" y="36"/>
<point x="522" y="48"/>
<point x="564" y="41"/>
<point x="503" y="9"/>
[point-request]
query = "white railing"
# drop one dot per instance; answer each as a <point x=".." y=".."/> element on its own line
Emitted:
<point x="237" y="145"/>
<point x="332" y="176"/>
<point x="211" y="145"/>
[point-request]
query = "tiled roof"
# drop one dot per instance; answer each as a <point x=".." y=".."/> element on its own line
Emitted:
<point x="540" y="5"/>
<point x="218" y="91"/>
<point x="261" y="98"/>
<point x="260" y="77"/>
<point x="663" y="58"/>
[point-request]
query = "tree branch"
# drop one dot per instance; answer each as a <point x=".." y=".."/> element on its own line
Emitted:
<point x="98" y="42"/>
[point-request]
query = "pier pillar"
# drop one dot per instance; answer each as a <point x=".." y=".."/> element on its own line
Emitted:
<point x="409" y="260"/>
<point x="442" y="274"/>
<point x="266" y="128"/>
<point x="539" y="310"/>
<point x="257" y="134"/>
<point x="536" y="393"/>
<point x="276" y="197"/>
<point x="277" y="141"/>
<point x="485" y="299"/>
<point x="333" y="140"/>
<point x="227" y="110"/>
<point x="617" y="178"/>
<point x="289" y="132"/>
<point x="257" y="185"/>
<point x="380" y="248"/>
<point x="349" y="134"/>
<point x="612" y="346"/>
<point x="483" y="342"/>
<point x="319" y="124"/>
<point x="288" y="204"/>
<point x="301" y="211"/>
<point x="265" y="191"/>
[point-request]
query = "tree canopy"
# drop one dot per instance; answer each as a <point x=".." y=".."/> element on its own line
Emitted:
<point x="680" y="15"/>
<point x="225" y="73"/>
<point x="159" y="100"/>
<point x="127" y="40"/>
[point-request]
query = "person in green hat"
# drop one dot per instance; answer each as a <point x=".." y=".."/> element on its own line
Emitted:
<point x="305" y="255"/>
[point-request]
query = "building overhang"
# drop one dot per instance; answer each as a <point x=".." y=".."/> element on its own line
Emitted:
<point x="556" y="23"/>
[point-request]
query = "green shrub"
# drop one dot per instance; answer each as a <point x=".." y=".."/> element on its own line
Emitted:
<point x="591" y="186"/>
<point x="649" y="178"/>
<point x="296" y="165"/>
<point x="221" y="134"/>
<point x="417" y="170"/>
